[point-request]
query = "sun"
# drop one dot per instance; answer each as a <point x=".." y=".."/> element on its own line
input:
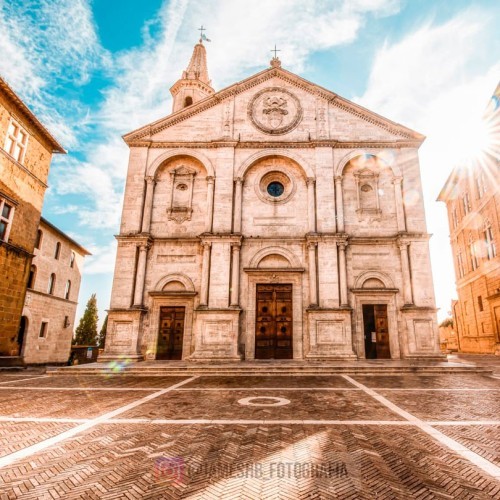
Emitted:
<point x="472" y="139"/>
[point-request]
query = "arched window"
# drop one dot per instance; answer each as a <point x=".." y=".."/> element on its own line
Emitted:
<point x="68" y="289"/>
<point x="52" y="284"/>
<point x="58" y="250"/>
<point x="489" y="242"/>
<point x="32" y="276"/>
<point x="188" y="101"/>
<point x="72" y="259"/>
<point x="39" y="238"/>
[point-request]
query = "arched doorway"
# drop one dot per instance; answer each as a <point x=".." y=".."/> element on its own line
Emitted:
<point x="21" y="334"/>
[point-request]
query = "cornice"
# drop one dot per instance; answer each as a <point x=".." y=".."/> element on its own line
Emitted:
<point x="50" y="296"/>
<point x="484" y="270"/>
<point x="143" y="238"/>
<point x="336" y="144"/>
<point x="388" y="240"/>
<point x="7" y="90"/>
<point x="266" y="75"/>
<point x="23" y="168"/>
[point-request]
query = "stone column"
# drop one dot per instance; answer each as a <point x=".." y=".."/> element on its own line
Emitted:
<point x="205" y="273"/>
<point x="339" y="204"/>
<point x="140" y="275"/>
<point x="405" y="267"/>
<point x="237" y="205"/>
<point x="148" y="204"/>
<point x="235" y="275"/>
<point x="210" y="204"/>
<point x="398" y="196"/>
<point x="342" y="273"/>
<point x="313" y="287"/>
<point x="311" y="205"/>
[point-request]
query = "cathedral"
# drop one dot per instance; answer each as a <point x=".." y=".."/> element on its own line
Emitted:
<point x="272" y="219"/>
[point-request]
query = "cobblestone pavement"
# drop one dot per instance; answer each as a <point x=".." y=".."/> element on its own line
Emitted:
<point x="311" y="437"/>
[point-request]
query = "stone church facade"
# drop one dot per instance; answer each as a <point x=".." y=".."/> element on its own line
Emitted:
<point x="271" y="219"/>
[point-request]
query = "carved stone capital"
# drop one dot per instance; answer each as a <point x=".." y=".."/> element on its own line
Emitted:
<point x="210" y="179"/>
<point x="311" y="181"/>
<point x="150" y="180"/>
<point x="403" y="244"/>
<point x="397" y="180"/>
<point x="342" y="245"/>
<point x="311" y="245"/>
<point x="338" y="179"/>
<point x="239" y="181"/>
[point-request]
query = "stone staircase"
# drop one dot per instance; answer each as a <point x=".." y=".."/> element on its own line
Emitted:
<point x="271" y="367"/>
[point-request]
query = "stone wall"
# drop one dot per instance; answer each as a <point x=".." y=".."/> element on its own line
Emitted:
<point x="477" y="311"/>
<point x="24" y="184"/>
<point x="54" y="309"/>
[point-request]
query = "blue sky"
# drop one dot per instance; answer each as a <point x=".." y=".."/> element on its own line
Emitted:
<point x="94" y="70"/>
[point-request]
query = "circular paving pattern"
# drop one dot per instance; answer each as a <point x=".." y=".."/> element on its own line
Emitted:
<point x="263" y="401"/>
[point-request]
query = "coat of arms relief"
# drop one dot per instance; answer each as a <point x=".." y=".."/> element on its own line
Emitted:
<point x="275" y="110"/>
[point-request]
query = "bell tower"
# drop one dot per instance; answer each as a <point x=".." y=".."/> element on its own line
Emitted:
<point x="195" y="83"/>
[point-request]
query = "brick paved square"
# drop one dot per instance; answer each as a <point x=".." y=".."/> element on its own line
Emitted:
<point x="11" y="377"/>
<point x="342" y="440"/>
<point x="304" y="405"/>
<point x="18" y="435"/>
<point x="302" y="381"/>
<point x="69" y="404"/>
<point x="470" y="381"/>
<point x="447" y="406"/>
<point x="102" y="381"/>
<point x="482" y="439"/>
<point x="247" y="461"/>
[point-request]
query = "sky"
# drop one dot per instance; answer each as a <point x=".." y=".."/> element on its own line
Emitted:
<point x="93" y="70"/>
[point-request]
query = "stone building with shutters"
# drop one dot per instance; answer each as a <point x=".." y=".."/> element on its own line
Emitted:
<point x="271" y="219"/>
<point x="48" y="318"/>
<point x="26" y="149"/>
<point x="472" y="197"/>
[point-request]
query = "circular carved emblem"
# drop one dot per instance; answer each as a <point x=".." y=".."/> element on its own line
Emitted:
<point x="275" y="110"/>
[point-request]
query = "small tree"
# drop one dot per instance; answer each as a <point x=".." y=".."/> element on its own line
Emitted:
<point x="447" y="322"/>
<point x="86" y="332"/>
<point x="101" y="339"/>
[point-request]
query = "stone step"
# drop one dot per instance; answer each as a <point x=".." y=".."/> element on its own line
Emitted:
<point x="262" y="370"/>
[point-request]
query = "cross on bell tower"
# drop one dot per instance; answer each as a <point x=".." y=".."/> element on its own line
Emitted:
<point x="195" y="84"/>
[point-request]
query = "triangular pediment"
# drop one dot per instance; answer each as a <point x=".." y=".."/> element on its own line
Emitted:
<point x="344" y="106"/>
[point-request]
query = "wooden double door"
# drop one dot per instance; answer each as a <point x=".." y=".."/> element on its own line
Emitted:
<point x="171" y="334"/>
<point x="274" y="322"/>
<point x="376" y="329"/>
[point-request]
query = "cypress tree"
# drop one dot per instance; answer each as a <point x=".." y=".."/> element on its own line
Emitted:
<point x="86" y="332"/>
<point x="101" y="339"/>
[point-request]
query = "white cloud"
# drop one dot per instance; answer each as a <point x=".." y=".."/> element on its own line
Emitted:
<point x="438" y="83"/>
<point x="102" y="260"/>
<point x="45" y="43"/>
<point x="241" y="40"/>
<point x="101" y="198"/>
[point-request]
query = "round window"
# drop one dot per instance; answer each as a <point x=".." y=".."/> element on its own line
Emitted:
<point x="275" y="189"/>
<point x="274" y="186"/>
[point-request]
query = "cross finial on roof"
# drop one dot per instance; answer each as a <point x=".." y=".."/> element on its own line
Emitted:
<point x="275" y="62"/>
